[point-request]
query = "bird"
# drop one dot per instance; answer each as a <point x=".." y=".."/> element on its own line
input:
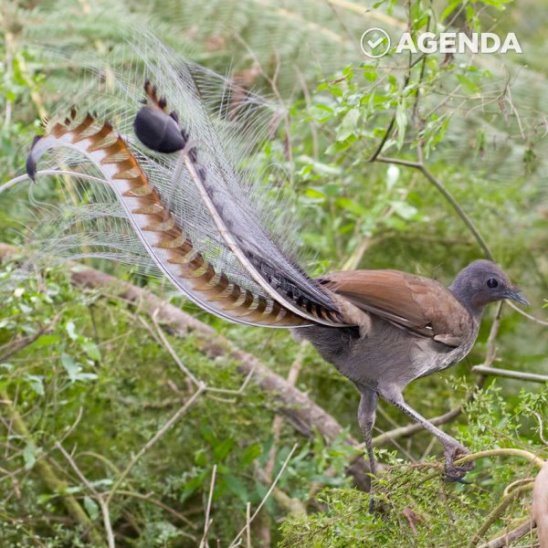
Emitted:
<point x="164" y="154"/>
<point x="417" y="328"/>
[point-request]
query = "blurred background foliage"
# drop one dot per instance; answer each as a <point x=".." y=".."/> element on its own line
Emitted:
<point x="96" y="377"/>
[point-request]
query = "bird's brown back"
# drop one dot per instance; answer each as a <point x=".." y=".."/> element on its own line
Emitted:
<point x="418" y="304"/>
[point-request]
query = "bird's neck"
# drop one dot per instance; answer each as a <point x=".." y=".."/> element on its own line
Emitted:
<point x="465" y="298"/>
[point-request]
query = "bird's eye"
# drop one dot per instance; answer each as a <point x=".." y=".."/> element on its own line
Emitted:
<point x="492" y="283"/>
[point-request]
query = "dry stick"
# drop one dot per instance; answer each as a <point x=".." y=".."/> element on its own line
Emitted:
<point x="207" y="521"/>
<point x="265" y="498"/>
<point x="528" y="316"/>
<point x="540" y="428"/>
<point x="160" y="504"/>
<point x="174" y="418"/>
<point x="247" y="522"/>
<point x="19" y="343"/>
<point x="511" y="374"/>
<point x="413" y="428"/>
<point x="507" y="538"/>
<point x="502" y="452"/>
<point x="184" y="369"/>
<point x="497" y="512"/>
<point x="113" y="469"/>
<point x="210" y="389"/>
<point x="517" y="483"/>
<point x="98" y="497"/>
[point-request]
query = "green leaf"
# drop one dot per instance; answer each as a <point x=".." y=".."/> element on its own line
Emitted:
<point x="251" y="453"/>
<point x="223" y="449"/>
<point x="404" y="210"/>
<point x="29" y="455"/>
<point x="71" y="330"/>
<point x="468" y="84"/>
<point x="36" y="383"/>
<point x="91" y="349"/>
<point x="350" y="205"/>
<point x="401" y="123"/>
<point x="237" y="487"/>
<point x="92" y="508"/>
<point x="47" y="340"/>
<point x="74" y="369"/>
<point x="348" y="124"/>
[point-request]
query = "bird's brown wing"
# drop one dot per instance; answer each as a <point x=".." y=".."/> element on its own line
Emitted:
<point x="418" y="304"/>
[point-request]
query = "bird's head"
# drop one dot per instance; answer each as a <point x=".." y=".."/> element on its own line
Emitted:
<point x="483" y="282"/>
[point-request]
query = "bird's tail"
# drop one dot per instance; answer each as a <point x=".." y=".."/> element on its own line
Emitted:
<point x="157" y="150"/>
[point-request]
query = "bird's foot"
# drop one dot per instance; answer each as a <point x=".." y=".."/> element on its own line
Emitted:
<point x="453" y="472"/>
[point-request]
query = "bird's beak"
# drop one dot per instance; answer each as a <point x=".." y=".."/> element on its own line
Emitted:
<point x="516" y="295"/>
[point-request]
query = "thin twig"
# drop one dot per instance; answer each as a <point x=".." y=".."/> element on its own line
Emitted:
<point x="507" y="538"/>
<point x="292" y="377"/>
<point x="528" y="316"/>
<point x="265" y="498"/>
<point x="172" y="352"/>
<point x="160" y="504"/>
<point x="511" y="486"/>
<point x="176" y="416"/>
<point x="501" y="452"/>
<point x="248" y="524"/>
<point x="510" y="373"/>
<point x="98" y="496"/>
<point x="207" y="521"/>
<point x="540" y="428"/>
<point x="378" y="150"/>
<point x="460" y="211"/>
<point x="18" y="344"/>
<point x="497" y="512"/>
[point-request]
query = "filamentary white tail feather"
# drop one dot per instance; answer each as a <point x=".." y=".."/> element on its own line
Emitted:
<point x="195" y="213"/>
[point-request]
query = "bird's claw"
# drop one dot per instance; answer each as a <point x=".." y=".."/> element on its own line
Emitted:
<point x="453" y="472"/>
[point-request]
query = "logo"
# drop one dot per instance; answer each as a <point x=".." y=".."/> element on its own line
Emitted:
<point x="375" y="43"/>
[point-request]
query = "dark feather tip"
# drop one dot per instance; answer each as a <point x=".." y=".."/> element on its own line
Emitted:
<point x="31" y="162"/>
<point x="156" y="130"/>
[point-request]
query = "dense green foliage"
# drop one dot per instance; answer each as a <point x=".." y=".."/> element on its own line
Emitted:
<point x="87" y="379"/>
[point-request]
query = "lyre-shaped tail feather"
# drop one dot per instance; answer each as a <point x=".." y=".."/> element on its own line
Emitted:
<point x="168" y="245"/>
<point x="198" y="218"/>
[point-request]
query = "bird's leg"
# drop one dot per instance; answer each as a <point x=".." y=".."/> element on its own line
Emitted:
<point x="452" y="449"/>
<point x="366" y="420"/>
